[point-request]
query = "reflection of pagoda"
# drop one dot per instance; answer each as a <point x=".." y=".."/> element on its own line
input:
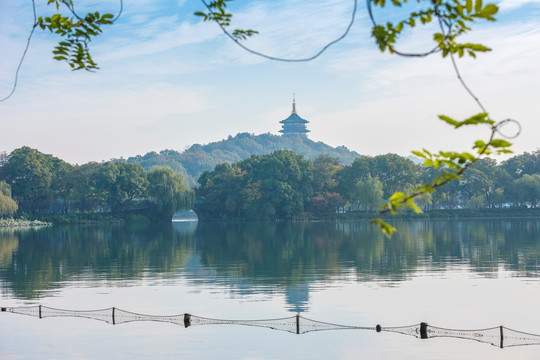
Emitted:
<point x="294" y="125"/>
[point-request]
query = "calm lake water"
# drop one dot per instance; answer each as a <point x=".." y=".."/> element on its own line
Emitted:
<point x="453" y="274"/>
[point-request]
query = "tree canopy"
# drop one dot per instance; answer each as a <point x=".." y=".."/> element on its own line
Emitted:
<point x="280" y="185"/>
<point x="283" y="185"/>
<point x="7" y="205"/>
<point x="44" y="184"/>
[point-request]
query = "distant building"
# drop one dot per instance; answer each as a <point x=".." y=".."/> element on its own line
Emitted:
<point x="294" y="125"/>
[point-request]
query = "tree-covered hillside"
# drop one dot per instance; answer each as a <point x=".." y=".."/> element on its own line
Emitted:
<point x="199" y="158"/>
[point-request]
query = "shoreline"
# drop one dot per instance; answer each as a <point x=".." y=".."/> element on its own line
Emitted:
<point x="22" y="223"/>
<point x="447" y="214"/>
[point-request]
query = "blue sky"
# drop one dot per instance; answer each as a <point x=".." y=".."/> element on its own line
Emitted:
<point x="168" y="81"/>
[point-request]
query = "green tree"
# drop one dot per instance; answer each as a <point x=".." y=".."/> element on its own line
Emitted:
<point x="219" y="193"/>
<point x="168" y="191"/>
<point x="285" y="179"/>
<point x="325" y="174"/>
<point x="4" y="157"/>
<point x="273" y="186"/>
<point x="121" y="183"/>
<point x="28" y="174"/>
<point x="369" y="193"/>
<point x="7" y="205"/>
<point x="519" y="165"/>
<point x="359" y="170"/>
<point x="475" y="185"/>
<point x="490" y="182"/>
<point x="85" y="194"/>
<point x="425" y="201"/>
<point x="527" y="189"/>
<point x="393" y="171"/>
<point x="37" y="180"/>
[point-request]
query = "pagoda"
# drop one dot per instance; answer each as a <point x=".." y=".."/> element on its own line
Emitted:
<point x="294" y="125"/>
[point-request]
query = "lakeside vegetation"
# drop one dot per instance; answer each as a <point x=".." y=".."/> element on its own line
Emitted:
<point x="282" y="185"/>
<point x="43" y="186"/>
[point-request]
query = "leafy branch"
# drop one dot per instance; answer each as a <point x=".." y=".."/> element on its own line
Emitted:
<point x="456" y="163"/>
<point x="454" y="18"/>
<point x="216" y="12"/>
<point x="77" y="33"/>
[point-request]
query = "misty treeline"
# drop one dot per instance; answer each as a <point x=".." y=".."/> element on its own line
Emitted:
<point x="279" y="185"/>
<point x="285" y="185"/>
<point x="42" y="184"/>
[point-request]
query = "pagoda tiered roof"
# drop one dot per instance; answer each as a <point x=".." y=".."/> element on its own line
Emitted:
<point x="294" y="125"/>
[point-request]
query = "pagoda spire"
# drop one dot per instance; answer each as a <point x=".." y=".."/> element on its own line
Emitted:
<point x="294" y="125"/>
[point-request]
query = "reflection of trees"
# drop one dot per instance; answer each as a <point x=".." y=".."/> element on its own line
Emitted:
<point x="280" y="253"/>
<point x="286" y="254"/>
<point x="8" y="245"/>
<point x="45" y="258"/>
<point x="252" y="257"/>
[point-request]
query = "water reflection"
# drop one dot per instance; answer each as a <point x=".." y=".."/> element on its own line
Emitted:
<point x="254" y="258"/>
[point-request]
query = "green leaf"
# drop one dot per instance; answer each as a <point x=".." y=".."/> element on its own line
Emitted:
<point x="411" y="204"/>
<point x="419" y="154"/>
<point x="449" y="120"/>
<point x="438" y="37"/>
<point x="478" y="5"/>
<point x="426" y="188"/>
<point x="468" y="157"/>
<point x="386" y="228"/>
<point x="479" y="144"/>
<point x="489" y="9"/>
<point x="477" y="47"/>
<point x="500" y="143"/>
<point x="469" y="6"/>
<point x="459" y="9"/>
<point x="397" y="196"/>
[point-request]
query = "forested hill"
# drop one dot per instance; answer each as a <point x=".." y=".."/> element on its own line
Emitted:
<point x="198" y="158"/>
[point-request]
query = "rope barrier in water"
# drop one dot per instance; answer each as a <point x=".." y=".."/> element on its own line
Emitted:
<point x="499" y="336"/>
